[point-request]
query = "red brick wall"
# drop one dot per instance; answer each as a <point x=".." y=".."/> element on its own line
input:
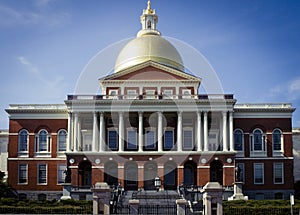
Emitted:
<point x="33" y="126"/>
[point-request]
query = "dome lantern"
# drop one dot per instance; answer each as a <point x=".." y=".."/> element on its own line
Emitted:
<point x="149" y="20"/>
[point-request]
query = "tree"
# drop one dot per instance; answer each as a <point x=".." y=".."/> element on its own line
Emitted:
<point x="5" y="190"/>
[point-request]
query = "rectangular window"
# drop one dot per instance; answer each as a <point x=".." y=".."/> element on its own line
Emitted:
<point x="168" y="93"/>
<point x="150" y="139"/>
<point x="131" y="139"/>
<point x="61" y="168"/>
<point x="113" y="94"/>
<point x="113" y="139"/>
<point x="87" y="142"/>
<point x="258" y="173"/>
<point x="168" y="139"/>
<point x="186" y="94"/>
<point x="188" y="138"/>
<point x="42" y="174"/>
<point x="278" y="173"/>
<point x="150" y="94"/>
<point x="131" y="94"/>
<point x="23" y="174"/>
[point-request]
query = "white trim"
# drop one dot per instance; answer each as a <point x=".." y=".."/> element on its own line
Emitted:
<point x="203" y="167"/>
<point x="26" y="152"/>
<point x="263" y="151"/>
<point x="36" y="159"/>
<point x="265" y="158"/>
<point x="57" y="140"/>
<point x="281" y="151"/>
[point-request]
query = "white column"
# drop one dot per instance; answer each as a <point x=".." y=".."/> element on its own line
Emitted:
<point x="159" y="132"/>
<point x="179" y="131"/>
<point x="121" y="131"/>
<point x="79" y="143"/>
<point x="75" y="142"/>
<point x="70" y="132"/>
<point x="95" y="133"/>
<point x="199" y="129"/>
<point x="101" y="133"/>
<point x="205" y="124"/>
<point x="231" y="131"/>
<point x="141" y="138"/>
<point x="225" y="146"/>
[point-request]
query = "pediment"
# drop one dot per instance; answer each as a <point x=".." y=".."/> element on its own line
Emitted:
<point x="151" y="71"/>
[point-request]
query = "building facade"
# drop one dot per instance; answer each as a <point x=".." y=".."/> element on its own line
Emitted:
<point x="296" y="153"/>
<point x="3" y="151"/>
<point x="150" y="121"/>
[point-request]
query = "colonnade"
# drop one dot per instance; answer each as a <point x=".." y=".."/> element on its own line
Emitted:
<point x="98" y="137"/>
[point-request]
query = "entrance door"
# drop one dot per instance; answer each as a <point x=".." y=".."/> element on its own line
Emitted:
<point x="111" y="173"/>
<point x="170" y="176"/>
<point x="150" y="172"/>
<point x="190" y="173"/>
<point x="85" y="174"/>
<point x="216" y="172"/>
<point x="131" y="176"/>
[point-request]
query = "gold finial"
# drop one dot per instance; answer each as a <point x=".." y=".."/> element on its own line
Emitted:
<point x="149" y="7"/>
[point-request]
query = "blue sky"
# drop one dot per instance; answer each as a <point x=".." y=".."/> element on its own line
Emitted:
<point x="253" y="45"/>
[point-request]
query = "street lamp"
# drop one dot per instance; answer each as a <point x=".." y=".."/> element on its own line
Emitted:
<point x="157" y="183"/>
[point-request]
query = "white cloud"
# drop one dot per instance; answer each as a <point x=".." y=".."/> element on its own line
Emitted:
<point x="31" y="68"/>
<point x="51" y="85"/>
<point x="10" y="16"/>
<point x="35" y="16"/>
<point x="290" y="90"/>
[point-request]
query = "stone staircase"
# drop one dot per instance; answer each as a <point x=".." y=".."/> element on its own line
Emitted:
<point x="151" y="197"/>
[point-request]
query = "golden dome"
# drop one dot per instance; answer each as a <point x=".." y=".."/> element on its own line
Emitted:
<point x="148" y="48"/>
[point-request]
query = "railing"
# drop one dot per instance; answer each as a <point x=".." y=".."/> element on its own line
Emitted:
<point x="81" y="188"/>
<point x="150" y="97"/>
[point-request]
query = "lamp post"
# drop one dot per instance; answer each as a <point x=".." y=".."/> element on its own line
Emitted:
<point x="157" y="183"/>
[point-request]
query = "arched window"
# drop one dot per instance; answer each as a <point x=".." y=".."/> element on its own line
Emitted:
<point x="238" y="140"/>
<point x="42" y="141"/>
<point x="62" y="140"/>
<point x="149" y="24"/>
<point x="23" y="141"/>
<point x="258" y="143"/>
<point x="276" y="137"/>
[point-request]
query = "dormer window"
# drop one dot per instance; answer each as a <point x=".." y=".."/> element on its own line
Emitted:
<point x="168" y="93"/>
<point x="131" y="94"/>
<point x="186" y="94"/>
<point x="113" y="94"/>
